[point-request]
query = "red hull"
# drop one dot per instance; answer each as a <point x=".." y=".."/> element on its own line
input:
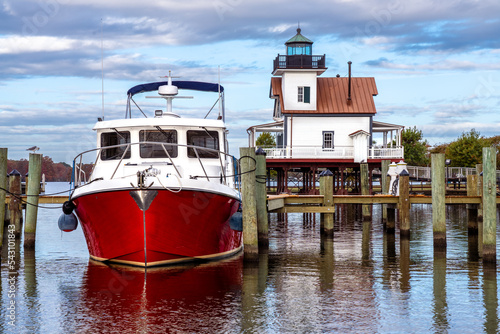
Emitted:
<point x="180" y="226"/>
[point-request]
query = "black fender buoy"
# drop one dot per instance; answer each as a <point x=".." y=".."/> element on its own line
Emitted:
<point x="68" y="207"/>
<point x="67" y="222"/>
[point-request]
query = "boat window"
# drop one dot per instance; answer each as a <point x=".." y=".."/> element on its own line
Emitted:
<point x="156" y="150"/>
<point x="203" y="138"/>
<point x="115" y="138"/>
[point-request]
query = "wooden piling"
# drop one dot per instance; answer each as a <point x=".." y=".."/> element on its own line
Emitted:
<point x="390" y="226"/>
<point x="32" y="192"/>
<point x="489" y="204"/>
<point x="404" y="204"/>
<point x="438" y="200"/>
<point x="249" y="205"/>
<point x="479" y="170"/>
<point x="472" y="208"/>
<point x="327" y="188"/>
<point x="261" y="197"/>
<point x="384" y="183"/>
<point x="3" y="187"/>
<point x="321" y="192"/>
<point x="15" y="207"/>
<point x="365" y="190"/>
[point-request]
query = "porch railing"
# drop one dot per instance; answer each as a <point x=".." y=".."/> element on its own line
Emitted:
<point x="339" y="152"/>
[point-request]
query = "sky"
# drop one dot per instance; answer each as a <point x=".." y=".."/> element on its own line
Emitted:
<point x="436" y="63"/>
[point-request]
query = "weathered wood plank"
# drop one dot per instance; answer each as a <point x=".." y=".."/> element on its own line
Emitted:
<point x="3" y="185"/>
<point x="438" y="200"/>
<point x="249" y="205"/>
<point x="33" y="192"/>
<point x="404" y="204"/>
<point x="260" y="197"/>
<point x="274" y="204"/>
<point x="306" y="209"/>
<point x="489" y="204"/>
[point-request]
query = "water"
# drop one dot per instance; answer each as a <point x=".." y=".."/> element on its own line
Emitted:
<point x="364" y="281"/>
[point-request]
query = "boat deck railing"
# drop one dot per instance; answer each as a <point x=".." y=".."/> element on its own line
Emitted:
<point x="229" y="166"/>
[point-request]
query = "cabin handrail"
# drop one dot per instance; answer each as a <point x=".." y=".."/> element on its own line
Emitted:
<point x="78" y="171"/>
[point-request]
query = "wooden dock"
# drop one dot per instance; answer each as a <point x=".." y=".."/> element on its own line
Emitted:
<point x="42" y="199"/>
<point x="314" y="203"/>
<point x="480" y="197"/>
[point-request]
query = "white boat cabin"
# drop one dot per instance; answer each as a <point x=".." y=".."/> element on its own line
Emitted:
<point x="172" y="144"/>
<point x="324" y="117"/>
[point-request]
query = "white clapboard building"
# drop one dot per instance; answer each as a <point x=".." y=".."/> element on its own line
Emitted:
<point x="324" y="118"/>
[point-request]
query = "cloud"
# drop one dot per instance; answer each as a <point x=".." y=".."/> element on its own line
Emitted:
<point x="443" y="65"/>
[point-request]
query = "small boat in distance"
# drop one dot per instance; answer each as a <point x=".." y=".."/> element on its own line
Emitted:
<point x="162" y="189"/>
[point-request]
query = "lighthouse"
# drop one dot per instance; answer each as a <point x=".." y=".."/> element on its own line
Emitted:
<point x="323" y="122"/>
<point x="299" y="70"/>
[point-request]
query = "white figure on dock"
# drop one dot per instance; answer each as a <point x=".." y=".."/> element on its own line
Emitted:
<point x="392" y="173"/>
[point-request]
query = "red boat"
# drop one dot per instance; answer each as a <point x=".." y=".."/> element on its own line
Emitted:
<point x="162" y="189"/>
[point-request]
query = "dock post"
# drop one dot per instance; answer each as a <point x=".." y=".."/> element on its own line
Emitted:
<point x="489" y="204"/>
<point x="15" y="208"/>
<point x="365" y="190"/>
<point x="438" y="200"/>
<point x="32" y="192"/>
<point x="391" y="218"/>
<point x="384" y="183"/>
<point x="472" y="208"/>
<point x="261" y="197"/>
<point x="479" y="170"/>
<point x="3" y="185"/>
<point x="326" y="177"/>
<point x="249" y="206"/>
<point x="404" y="204"/>
<point x="321" y="192"/>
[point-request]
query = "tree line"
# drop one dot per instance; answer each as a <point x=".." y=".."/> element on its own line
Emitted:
<point x="54" y="171"/>
<point x="465" y="151"/>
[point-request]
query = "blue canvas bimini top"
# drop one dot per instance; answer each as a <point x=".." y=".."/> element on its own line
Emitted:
<point x="191" y="85"/>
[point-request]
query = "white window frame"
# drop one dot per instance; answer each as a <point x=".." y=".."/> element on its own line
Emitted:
<point x="328" y="144"/>
<point x="300" y="94"/>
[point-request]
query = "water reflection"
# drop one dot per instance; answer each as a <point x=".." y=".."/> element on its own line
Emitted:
<point x="361" y="280"/>
<point x="440" y="307"/>
<point x="490" y="299"/>
<point x="182" y="299"/>
<point x="31" y="295"/>
<point x="404" y="264"/>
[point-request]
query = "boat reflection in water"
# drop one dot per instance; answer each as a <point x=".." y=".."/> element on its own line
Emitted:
<point x="172" y="299"/>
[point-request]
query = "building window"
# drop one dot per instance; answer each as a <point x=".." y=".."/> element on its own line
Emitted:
<point x="304" y="94"/>
<point x="328" y="140"/>
<point x="299" y="49"/>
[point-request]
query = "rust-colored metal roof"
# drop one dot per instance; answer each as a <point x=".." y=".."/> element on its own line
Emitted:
<point x="332" y="96"/>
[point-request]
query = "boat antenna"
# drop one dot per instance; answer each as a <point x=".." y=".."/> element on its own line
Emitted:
<point x="102" y="73"/>
<point x="218" y="86"/>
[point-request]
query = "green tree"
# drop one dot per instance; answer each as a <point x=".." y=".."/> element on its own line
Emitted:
<point x="467" y="150"/>
<point x="415" y="147"/>
<point x="495" y="141"/>
<point x="265" y="140"/>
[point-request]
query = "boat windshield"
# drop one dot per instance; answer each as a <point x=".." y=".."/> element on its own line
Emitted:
<point x="156" y="150"/>
<point x="203" y="138"/>
<point x="115" y="138"/>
